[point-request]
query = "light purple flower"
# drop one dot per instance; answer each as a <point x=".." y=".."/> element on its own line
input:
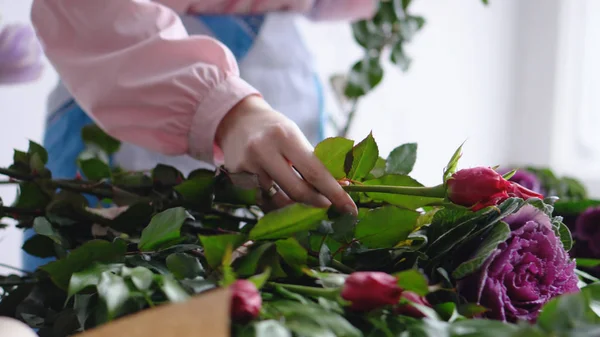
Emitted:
<point x="20" y="55"/>
<point x="526" y="179"/>
<point x="524" y="272"/>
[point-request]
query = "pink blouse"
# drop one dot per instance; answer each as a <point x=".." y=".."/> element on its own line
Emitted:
<point x="132" y="66"/>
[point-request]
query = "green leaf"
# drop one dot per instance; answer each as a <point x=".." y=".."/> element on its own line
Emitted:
<point x="43" y="227"/>
<point x="197" y="192"/>
<point x="364" y="76"/>
<point x="307" y="314"/>
<point x="142" y="278"/>
<point x="344" y="228"/>
<point x="379" y="169"/>
<point x="89" y="277"/>
<point x="183" y="266"/>
<point x="574" y="207"/>
<point x="92" y="251"/>
<point x="131" y="221"/>
<point x="332" y="153"/>
<point x="163" y="228"/>
<point x="402" y="159"/>
<point x="482" y="327"/>
<point x="31" y="196"/>
<point x="261" y="279"/>
<point x="94" y="169"/>
<point x="499" y="233"/>
<point x="40" y="246"/>
<point x="287" y="221"/>
<point x="166" y="175"/>
<point x="37" y="149"/>
<point x="385" y="227"/>
<point x="399" y="57"/>
<point x="405" y="201"/>
<point x="325" y="256"/>
<point x="171" y="288"/>
<point x="413" y="280"/>
<point x="93" y="135"/>
<point x="36" y="164"/>
<point x="562" y="231"/>
<point x="248" y="264"/>
<point x="215" y="246"/>
<point x="292" y="252"/>
<point x="453" y="163"/>
<point x="113" y="290"/>
<point x="365" y="155"/>
<point x="587" y="263"/>
<point x="470" y="310"/>
<point x="563" y="314"/>
<point x="270" y="328"/>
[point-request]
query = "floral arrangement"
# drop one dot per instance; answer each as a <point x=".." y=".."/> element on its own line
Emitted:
<point x="20" y="55"/>
<point x="476" y="255"/>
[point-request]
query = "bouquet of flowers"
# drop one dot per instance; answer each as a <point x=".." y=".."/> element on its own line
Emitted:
<point x="476" y="255"/>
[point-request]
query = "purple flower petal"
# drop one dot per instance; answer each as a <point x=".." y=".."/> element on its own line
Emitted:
<point x="524" y="272"/>
<point x="20" y="55"/>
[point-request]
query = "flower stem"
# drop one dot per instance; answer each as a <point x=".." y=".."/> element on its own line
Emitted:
<point x="309" y="291"/>
<point x="438" y="191"/>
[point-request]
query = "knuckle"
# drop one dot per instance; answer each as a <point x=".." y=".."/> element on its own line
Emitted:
<point x="278" y="131"/>
<point x="254" y="145"/>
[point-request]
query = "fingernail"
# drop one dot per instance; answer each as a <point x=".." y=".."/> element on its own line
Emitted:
<point x="350" y="209"/>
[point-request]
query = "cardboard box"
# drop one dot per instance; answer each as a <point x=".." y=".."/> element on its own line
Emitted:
<point x="206" y="315"/>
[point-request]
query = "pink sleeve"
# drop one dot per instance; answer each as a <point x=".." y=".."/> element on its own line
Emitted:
<point x="343" y="9"/>
<point x="131" y="65"/>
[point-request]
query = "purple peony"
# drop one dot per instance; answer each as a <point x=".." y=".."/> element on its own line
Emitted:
<point x="587" y="230"/>
<point x="20" y="55"/>
<point x="524" y="272"/>
<point x="525" y="179"/>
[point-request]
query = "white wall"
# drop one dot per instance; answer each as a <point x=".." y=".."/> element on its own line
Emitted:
<point x="458" y="88"/>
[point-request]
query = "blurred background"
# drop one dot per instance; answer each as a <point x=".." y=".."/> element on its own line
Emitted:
<point x="518" y="80"/>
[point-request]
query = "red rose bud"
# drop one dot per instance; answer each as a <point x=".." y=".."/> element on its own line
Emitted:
<point x="410" y="310"/>
<point x="478" y="188"/>
<point x="371" y="290"/>
<point x="245" y="301"/>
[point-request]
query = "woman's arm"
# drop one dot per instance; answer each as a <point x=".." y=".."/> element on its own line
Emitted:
<point x="132" y="66"/>
<point x="316" y="9"/>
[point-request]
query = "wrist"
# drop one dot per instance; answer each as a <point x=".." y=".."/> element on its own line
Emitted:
<point x="244" y="109"/>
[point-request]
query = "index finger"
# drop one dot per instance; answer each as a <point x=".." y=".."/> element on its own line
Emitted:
<point x="316" y="174"/>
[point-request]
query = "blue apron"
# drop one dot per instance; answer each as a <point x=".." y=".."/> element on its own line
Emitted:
<point x="271" y="55"/>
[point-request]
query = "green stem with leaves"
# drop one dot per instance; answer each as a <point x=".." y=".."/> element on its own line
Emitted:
<point x="330" y="293"/>
<point x="438" y="191"/>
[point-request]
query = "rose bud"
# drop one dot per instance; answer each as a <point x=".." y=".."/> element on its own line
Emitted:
<point x="371" y="290"/>
<point x="410" y="310"/>
<point x="245" y="301"/>
<point x="481" y="187"/>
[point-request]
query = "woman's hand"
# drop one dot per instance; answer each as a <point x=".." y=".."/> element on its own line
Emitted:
<point x="257" y="139"/>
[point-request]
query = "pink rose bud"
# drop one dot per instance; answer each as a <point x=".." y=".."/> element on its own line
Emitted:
<point x="371" y="290"/>
<point x="409" y="310"/>
<point x="481" y="187"/>
<point x="245" y="301"/>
